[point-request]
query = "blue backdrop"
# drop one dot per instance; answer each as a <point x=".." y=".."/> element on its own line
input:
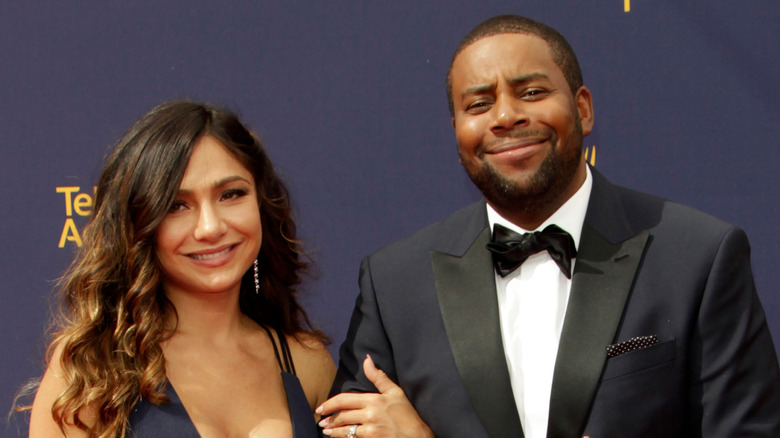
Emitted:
<point x="349" y="99"/>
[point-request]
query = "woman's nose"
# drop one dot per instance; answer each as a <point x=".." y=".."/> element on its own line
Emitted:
<point x="210" y="224"/>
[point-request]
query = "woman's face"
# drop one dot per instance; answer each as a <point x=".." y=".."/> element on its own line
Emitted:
<point x="212" y="233"/>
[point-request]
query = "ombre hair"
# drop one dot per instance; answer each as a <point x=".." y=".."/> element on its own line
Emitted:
<point x="113" y="313"/>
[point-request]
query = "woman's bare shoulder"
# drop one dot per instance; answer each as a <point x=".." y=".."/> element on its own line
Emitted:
<point x="313" y="365"/>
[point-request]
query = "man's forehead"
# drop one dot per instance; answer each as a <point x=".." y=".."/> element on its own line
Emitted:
<point x="501" y="50"/>
<point x="516" y="39"/>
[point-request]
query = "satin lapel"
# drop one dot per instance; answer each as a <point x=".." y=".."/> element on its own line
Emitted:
<point x="603" y="277"/>
<point x="466" y="290"/>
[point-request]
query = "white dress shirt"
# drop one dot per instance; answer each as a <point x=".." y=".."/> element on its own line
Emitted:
<point x="532" y="303"/>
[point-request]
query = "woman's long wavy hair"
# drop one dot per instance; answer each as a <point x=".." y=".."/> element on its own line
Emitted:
<point x="113" y="312"/>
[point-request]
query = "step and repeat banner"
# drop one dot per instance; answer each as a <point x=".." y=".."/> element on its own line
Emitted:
<point x="349" y="99"/>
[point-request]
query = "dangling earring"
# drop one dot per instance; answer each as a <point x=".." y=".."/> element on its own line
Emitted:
<point x="257" y="279"/>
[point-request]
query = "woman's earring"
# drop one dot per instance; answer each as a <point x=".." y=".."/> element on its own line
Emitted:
<point x="257" y="278"/>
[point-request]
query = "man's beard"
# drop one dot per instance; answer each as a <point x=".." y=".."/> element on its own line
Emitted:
<point x="541" y="189"/>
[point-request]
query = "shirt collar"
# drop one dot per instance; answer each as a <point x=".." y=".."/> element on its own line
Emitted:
<point x="570" y="216"/>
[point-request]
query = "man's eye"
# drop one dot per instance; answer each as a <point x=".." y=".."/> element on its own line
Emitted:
<point x="534" y="94"/>
<point x="478" y="107"/>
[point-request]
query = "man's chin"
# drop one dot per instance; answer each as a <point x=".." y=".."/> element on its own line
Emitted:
<point x="501" y="190"/>
<point x="513" y="168"/>
<point x="518" y="181"/>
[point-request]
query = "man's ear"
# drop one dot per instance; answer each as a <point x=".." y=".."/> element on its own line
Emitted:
<point x="584" y="102"/>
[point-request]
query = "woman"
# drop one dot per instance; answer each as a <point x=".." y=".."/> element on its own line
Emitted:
<point x="179" y="315"/>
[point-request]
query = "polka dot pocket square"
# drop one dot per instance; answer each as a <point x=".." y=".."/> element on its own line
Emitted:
<point x="632" y="344"/>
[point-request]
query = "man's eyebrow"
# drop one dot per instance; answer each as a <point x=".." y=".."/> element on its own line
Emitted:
<point x="484" y="88"/>
<point x="528" y="78"/>
<point x="220" y="183"/>
<point x="477" y="89"/>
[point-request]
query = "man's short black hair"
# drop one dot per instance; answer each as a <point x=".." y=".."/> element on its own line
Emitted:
<point x="562" y="53"/>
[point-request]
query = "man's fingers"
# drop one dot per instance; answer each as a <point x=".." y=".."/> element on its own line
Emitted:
<point x="378" y="377"/>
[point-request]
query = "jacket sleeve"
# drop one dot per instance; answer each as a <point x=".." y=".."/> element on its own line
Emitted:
<point x="735" y="366"/>
<point x="366" y="335"/>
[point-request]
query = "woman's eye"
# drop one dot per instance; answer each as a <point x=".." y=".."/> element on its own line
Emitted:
<point x="177" y="206"/>
<point x="233" y="194"/>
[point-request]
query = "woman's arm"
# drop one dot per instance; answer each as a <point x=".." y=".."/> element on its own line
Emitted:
<point x="42" y="424"/>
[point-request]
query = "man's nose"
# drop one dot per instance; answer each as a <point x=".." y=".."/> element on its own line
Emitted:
<point x="509" y="113"/>
<point x="210" y="225"/>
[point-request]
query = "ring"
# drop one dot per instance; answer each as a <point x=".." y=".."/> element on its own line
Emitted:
<point x="352" y="431"/>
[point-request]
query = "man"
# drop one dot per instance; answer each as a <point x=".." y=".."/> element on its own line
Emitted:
<point x="656" y="330"/>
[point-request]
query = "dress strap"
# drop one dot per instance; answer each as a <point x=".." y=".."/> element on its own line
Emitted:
<point x="288" y="364"/>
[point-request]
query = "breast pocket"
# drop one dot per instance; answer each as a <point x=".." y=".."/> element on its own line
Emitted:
<point x="637" y="390"/>
<point x="640" y="360"/>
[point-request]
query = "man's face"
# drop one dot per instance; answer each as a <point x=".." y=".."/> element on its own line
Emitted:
<point x="518" y="127"/>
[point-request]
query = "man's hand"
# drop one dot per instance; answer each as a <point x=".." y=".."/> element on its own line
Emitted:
<point x="388" y="414"/>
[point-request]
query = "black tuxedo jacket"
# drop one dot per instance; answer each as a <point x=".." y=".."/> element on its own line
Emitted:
<point x="428" y="316"/>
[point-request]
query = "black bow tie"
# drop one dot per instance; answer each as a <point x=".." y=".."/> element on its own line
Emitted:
<point x="511" y="249"/>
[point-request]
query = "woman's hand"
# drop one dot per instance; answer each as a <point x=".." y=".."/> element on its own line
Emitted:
<point x="386" y="414"/>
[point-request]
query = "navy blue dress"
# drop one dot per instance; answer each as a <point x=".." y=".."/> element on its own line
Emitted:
<point x="171" y="419"/>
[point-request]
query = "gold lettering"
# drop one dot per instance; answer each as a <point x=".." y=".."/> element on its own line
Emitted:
<point x="626" y="5"/>
<point x="590" y="155"/>
<point x="81" y="201"/>
<point x="69" y="232"/>
<point x="68" y="203"/>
